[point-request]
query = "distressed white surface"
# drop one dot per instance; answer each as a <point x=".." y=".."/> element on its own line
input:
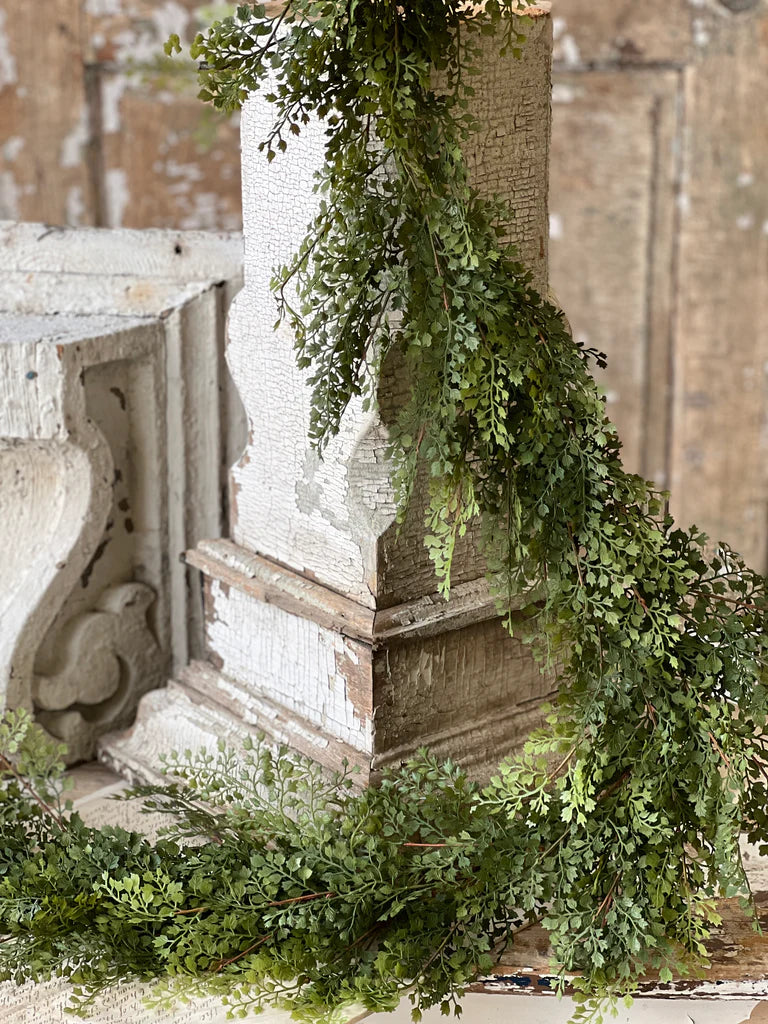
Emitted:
<point x="329" y="518"/>
<point x="182" y="256"/>
<point x="55" y="462"/>
<point x="332" y="521"/>
<point x="294" y="661"/>
<point x="114" y="433"/>
<point x="517" y="1009"/>
<point x="289" y="505"/>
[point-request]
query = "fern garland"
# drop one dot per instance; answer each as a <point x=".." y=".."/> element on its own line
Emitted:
<point x="619" y="825"/>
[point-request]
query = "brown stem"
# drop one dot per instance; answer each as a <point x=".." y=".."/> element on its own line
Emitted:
<point x="640" y="598"/>
<point x="606" y="904"/>
<point x="617" y="784"/>
<point x="233" y="959"/>
<point x="719" y="750"/>
<point x="729" y="600"/>
<point x="576" y="553"/>
<point x="25" y="784"/>
<point x="300" y="899"/>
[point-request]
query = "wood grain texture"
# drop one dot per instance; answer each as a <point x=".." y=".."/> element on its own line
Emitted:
<point x="444" y="675"/>
<point x="44" y="118"/>
<point x="611" y="247"/>
<point x="720" y="457"/>
<point x="471" y="694"/>
<point x="625" y="31"/>
<point x="659" y="241"/>
<point x="739" y="962"/>
<point x="96" y="127"/>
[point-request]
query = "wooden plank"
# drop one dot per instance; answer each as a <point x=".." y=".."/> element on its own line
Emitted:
<point x="611" y="239"/>
<point x="44" y="124"/>
<point x="268" y="581"/>
<point x="274" y="584"/>
<point x="720" y="456"/>
<point x="739" y="962"/>
<point x="624" y="31"/>
<point x="182" y="256"/>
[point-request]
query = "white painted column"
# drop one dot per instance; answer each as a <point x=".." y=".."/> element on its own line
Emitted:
<point x="323" y="626"/>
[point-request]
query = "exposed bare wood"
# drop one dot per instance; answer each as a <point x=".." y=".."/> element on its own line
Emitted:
<point x="720" y="454"/>
<point x="611" y="246"/>
<point x="739" y="962"/>
<point x="44" y="120"/>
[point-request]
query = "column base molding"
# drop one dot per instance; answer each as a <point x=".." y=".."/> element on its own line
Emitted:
<point x="335" y="680"/>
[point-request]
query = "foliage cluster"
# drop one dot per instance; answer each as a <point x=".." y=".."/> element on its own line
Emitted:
<point x="275" y="884"/>
<point x="619" y="824"/>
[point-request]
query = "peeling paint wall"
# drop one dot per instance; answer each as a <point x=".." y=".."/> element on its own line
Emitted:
<point x="94" y="127"/>
<point x="659" y="245"/>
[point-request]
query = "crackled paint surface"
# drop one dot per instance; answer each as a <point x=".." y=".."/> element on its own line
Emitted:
<point x="333" y="518"/>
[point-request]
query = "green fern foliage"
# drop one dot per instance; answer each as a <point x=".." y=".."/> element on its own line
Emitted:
<point x="618" y="826"/>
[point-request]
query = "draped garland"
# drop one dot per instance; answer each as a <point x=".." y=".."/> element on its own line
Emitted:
<point x="618" y="826"/>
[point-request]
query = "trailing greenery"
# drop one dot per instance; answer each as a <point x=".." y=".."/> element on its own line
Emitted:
<point x="618" y="826"/>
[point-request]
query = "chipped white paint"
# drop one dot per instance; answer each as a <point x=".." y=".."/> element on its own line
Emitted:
<point x="295" y="666"/>
<point x="73" y="143"/>
<point x="327" y="517"/>
<point x="290" y="505"/>
<point x="46" y="1003"/>
<point x="102" y="478"/>
<point x="297" y="663"/>
<point x="116" y="195"/>
<point x="745" y="179"/>
<point x="55" y="459"/>
<point x="8" y="69"/>
<point x="555" y="227"/>
<point x="12" y="147"/>
<point x="745" y="221"/>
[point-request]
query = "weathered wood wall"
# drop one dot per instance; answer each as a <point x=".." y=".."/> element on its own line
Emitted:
<point x="659" y="240"/>
<point x="659" y="204"/>
<point x="95" y="130"/>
